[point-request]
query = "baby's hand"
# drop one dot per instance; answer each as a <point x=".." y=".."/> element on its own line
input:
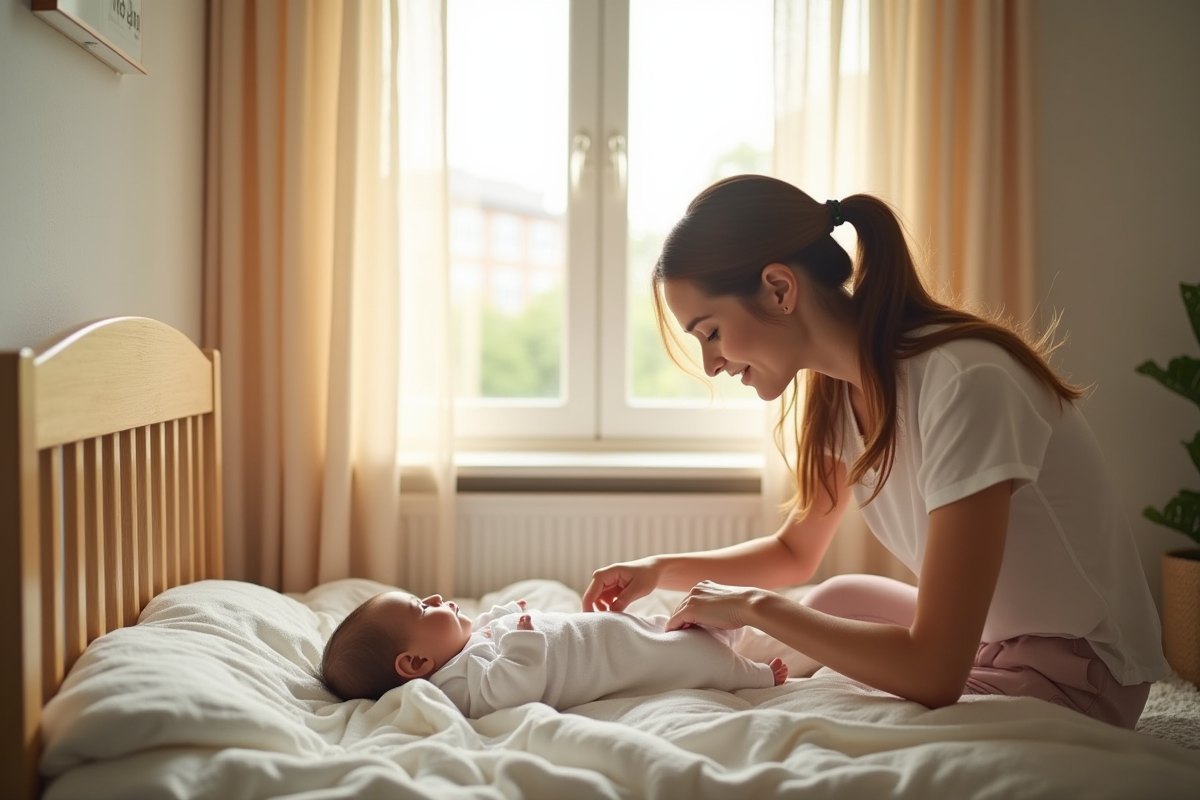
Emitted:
<point x="525" y="623"/>
<point x="521" y="603"/>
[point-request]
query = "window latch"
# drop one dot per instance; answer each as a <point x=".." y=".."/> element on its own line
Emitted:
<point x="580" y="144"/>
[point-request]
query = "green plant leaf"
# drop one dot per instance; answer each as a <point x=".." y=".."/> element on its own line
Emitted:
<point x="1191" y="301"/>
<point x="1182" y="513"/>
<point x="1193" y="448"/>
<point x="1182" y="376"/>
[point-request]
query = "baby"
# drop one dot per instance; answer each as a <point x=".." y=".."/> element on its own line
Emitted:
<point x="509" y="656"/>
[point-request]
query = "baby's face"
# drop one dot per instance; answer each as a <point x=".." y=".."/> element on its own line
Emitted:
<point x="436" y="628"/>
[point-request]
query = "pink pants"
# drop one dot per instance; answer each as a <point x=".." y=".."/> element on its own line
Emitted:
<point x="1059" y="670"/>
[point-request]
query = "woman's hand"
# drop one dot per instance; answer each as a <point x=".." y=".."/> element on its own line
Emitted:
<point x="614" y="587"/>
<point x="715" y="605"/>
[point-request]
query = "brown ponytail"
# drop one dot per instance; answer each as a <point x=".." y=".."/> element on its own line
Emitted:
<point x="736" y="227"/>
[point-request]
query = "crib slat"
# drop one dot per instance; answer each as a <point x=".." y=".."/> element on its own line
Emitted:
<point x="186" y="503"/>
<point x="158" y="491"/>
<point x="127" y="532"/>
<point x="201" y="549"/>
<point x="110" y="524"/>
<point x="171" y="460"/>
<point x="93" y="538"/>
<point x="145" y="512"/>
<point x="212" y="476"/>
<point x="74" y="562"/>
<point x="50" y="480"/>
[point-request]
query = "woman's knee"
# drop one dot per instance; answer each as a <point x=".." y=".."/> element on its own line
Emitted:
<point x="872" y="598"/>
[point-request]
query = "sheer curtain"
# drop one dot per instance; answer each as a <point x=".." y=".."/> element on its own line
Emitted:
<point x="326" y="288"/>
<point x="927" y="103"/>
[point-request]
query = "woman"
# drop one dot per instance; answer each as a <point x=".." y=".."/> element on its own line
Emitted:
<point x="963" y="448"/>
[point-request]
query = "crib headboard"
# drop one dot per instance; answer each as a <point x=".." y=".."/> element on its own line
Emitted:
<point x="110" y="493"/>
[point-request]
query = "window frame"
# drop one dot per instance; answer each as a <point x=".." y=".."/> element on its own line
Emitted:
<point x="595" y="343"/>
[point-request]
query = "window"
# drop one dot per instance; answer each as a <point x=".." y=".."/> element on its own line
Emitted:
<point x="577" y="132"/>
<point x="466" y="232"/>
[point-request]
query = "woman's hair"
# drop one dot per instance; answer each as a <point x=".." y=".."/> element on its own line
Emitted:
<point x="360" y="657"/>
<point x="737" y="226"/>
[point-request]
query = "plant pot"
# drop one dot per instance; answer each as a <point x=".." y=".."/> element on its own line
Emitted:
<point x="1181" y="612"/>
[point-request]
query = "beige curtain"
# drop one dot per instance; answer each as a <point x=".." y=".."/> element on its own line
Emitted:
<point x="326" y="291"/>
<point x="927" y="103"/>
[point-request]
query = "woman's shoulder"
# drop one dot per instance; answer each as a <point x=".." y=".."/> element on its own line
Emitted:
<point x="961" y="354"/>
<point x="976" y="368"/>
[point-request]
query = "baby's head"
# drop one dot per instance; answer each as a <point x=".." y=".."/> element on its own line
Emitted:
<point x="389" y="640"/>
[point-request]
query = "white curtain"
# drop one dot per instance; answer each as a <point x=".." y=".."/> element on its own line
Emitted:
<point x="326" y="288"/>
<point x="928" y="104"/>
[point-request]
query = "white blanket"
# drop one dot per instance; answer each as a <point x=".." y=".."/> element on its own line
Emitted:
<point x="214" y="694"/>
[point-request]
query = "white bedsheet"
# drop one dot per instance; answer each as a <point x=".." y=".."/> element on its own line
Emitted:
<point x="214" y="695"/>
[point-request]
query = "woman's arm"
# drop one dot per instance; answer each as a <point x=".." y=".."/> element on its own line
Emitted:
<point x="928" y="662"/>
<point x="788" y="557"/>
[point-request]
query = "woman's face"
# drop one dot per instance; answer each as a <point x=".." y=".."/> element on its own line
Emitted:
<point x="732" y="340"/>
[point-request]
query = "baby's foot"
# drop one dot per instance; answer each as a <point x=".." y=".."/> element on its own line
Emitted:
<point x="779" y="669"/>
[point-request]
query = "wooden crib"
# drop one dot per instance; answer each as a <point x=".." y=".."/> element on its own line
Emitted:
<point x="110" y="493"/>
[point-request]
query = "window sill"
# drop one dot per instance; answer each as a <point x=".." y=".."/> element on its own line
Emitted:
<point x="672" y="472"/>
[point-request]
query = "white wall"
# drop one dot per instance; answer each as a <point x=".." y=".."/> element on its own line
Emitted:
<point x="1118" y="196"/>
<point x="101" y="175"/>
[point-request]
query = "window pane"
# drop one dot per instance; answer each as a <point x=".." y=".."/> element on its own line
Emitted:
<point x="701" y="108"/>
<point x="507" y="72"/>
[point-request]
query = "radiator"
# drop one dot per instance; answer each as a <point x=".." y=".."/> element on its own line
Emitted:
<point x="503" y="538"/>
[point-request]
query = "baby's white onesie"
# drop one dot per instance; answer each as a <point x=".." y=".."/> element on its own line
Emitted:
<point x="571" y="659"/>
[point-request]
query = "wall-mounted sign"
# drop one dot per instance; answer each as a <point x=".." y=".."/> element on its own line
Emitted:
<point x="111" y="30"/>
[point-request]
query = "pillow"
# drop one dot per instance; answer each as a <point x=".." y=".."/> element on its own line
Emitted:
<point x="212" y="663"/>
<point x="222" y="663"/>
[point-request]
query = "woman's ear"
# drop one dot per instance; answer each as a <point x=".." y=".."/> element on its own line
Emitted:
<point x="409" y="665"/>
<point x="780" y="287"/>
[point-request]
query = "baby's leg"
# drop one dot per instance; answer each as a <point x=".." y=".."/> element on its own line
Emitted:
<point x="871" y="598"/>
<point x="658" y="622"/>
<point x="729" y="638"/>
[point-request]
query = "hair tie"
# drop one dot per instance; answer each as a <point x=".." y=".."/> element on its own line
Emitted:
<point x="835" y="209"/>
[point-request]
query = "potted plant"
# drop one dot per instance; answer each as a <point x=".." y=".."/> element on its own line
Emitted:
<point x="1181" y="568"/>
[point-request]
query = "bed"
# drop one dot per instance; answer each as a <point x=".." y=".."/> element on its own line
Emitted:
<point x="136" y="670"/>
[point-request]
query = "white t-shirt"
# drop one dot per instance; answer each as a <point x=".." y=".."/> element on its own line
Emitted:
<point x="971" y="416"/>
<point x="571" y="659"/>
